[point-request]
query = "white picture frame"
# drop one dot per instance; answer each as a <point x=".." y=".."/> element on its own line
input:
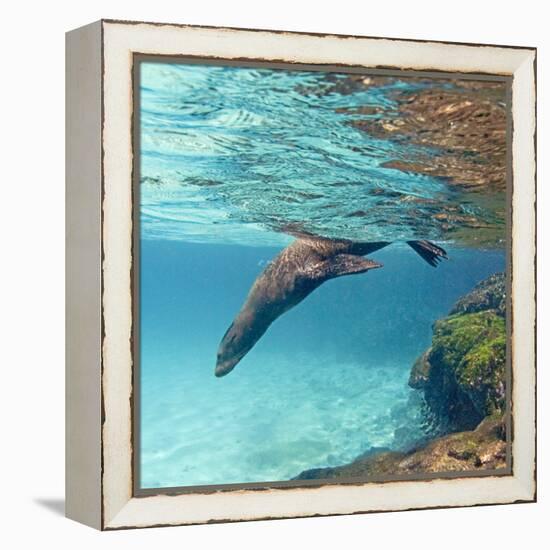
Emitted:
<point x="99" y="389"/>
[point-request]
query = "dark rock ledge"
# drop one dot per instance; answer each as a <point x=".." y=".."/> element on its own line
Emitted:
<point x="480" y="449"/>
<point x="462" y="377"/>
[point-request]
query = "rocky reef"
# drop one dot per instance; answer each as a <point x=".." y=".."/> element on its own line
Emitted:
<point x="462" y="377"/>
<point x="479" y="449"/>
<point x="454" y="130"/>
<point x="464" y="119"/>
<point x="462" y="374"/>
<point x="489" y="294"/>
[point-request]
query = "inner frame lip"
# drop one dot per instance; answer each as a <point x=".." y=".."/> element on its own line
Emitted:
<point x="137" y="59"/>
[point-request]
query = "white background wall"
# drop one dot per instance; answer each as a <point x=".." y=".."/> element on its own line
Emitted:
<point x="31" y="271"/>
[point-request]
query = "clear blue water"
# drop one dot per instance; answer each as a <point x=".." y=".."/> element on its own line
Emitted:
<point x="229" y="157"/>
<point x="326" y="383"/>
<point x="228" y="152"/>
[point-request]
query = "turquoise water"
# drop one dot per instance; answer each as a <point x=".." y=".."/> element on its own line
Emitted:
<point x="326" y="383"/>
<point x="230" y="152"/>
<point x="230" y="157"/>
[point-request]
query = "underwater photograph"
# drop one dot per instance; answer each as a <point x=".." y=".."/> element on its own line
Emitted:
<point x="322" y="275"/>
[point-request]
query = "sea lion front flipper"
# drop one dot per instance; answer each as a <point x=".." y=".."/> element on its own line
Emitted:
<point x="347" y="264"/>
<point x="362" y="249"/>
<point x="428" y="251"/>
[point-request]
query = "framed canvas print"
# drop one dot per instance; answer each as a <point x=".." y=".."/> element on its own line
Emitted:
<point x="300" y="274"/>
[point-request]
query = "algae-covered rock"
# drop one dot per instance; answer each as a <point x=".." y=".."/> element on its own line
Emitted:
<point x="467" y="368"/>
<point x="481" y="449"/>
<point x="463" y="374"/>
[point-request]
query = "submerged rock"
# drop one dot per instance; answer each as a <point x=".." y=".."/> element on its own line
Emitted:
<point x="488" y="294"/>
<point x="460" y="127"/>
<point x="467" y="123"/>
<point x="481" y="449"/>
<point x="462" y="374"/>
<point x="420" y="373"/>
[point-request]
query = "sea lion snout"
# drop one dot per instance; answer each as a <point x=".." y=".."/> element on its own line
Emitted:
<point x="230" y="352"/>
<point x="240" y="337"/>
<point x="225" y="366"/>
<point x="228" y="355"/>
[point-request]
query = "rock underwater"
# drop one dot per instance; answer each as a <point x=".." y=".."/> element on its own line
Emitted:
<point x="482" y="448"/>
<point x="462" y="376"/>
<point x="460" y="128"/>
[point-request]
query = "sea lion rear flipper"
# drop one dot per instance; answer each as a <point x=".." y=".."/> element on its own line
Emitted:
<point x="348" y="264"/>
<point x="428" y="251"/>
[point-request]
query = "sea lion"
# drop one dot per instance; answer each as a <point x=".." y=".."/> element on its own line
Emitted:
<point x="294" y="274"/>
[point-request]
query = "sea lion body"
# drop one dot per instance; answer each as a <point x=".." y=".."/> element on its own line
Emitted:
<point x="294" y="274"/>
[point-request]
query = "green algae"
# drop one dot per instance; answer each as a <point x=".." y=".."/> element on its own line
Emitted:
<point x="472" y="347"/>
<point x="463" y="374"/>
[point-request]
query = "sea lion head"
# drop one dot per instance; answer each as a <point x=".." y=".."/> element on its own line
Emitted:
<point x="235" y="344"/>
<point x="226" y="360"/>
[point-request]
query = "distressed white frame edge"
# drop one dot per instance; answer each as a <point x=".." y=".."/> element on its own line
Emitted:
<point x="119" y="508"/>
<point x="83" y="275"/>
